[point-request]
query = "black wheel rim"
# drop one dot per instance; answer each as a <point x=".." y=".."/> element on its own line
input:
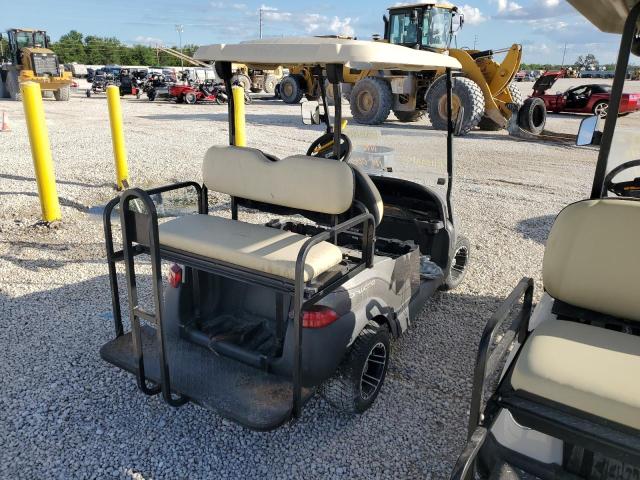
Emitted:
<point x="459" y="263"/>
<point x="373" y="370"/>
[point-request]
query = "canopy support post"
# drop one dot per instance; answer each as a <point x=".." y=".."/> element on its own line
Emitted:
<point x="614" y="104"/>
<point x="224" y="71"/>
<point x="450" y="130"/>
<point x="334" y="75"/>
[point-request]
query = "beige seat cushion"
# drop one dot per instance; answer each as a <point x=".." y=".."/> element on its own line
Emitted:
<point x="588" y="368"/>
<point x="256" y="247"/>
<point x="592" y="257"/>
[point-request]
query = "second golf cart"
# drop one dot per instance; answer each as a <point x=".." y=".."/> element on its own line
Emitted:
<point x="558" y="397"/>
<point x="257" y="317"/>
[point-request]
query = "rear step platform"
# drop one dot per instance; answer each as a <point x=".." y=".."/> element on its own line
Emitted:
<point x="255" y="399"/>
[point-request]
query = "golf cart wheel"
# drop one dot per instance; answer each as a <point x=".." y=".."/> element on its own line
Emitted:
<point x="407" y="116"/>
<point x="291" y="89"/>
<point x="459" y="264"/>
<point x="270" y="83"/>
<point x="371" y="100"/>
<point x="62" y="94"/>
<point x="533" y="115"/>
<point x="190" y="98"/>
<point x="358" y="380"/>
<point x="466" y="94"/>
<point x="601" y="108"/>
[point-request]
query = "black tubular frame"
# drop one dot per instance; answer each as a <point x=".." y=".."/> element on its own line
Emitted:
<point x="450" y="132"/>
<point x="142" y="229"/>
<point x="630" y="27"/>
<point x="486" y="364"/>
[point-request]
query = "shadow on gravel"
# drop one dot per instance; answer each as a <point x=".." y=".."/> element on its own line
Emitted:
<point x="63" y="182"/>
<point x="290" y="120"/>
<point x="536" y="228"/>
<point x="65" y="202"/>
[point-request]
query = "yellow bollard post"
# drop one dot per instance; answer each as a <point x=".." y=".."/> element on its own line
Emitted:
<point x="117" y="137"/>
<point x="40" y="151"/>
<point x="239" y="121"/>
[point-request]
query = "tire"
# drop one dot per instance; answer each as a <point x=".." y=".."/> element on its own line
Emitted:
<point x="371" y="100"/>
<point x="533" y="115"/>
<point x="270" y="83"/>
<point x="12" y="85"/>
<point x="466" y="93"/>
<point x="190" y="98"/>
<point x="151" y="94"/>
<point x="349" y="390"/>
<point x="88" y="93"/>
<point x="291" y="91"/>
<point x="600" y="109"/>
<point x="247" y="99"/>
<point x="256" y="90"/>
<point x="62" y="94"/>
<point x="408" y="116"/>
<point x="459" y="264"/>
<point x="488" y="125"/>
<point x="242" y="80"/>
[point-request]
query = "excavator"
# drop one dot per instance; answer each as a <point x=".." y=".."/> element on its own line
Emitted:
<point x="30" y="59"/>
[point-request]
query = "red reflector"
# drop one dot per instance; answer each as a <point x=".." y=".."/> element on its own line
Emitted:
<point x="175" y="275"/>
<point x="318" y="317"/>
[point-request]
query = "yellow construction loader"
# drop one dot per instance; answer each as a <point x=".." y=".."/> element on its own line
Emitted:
<point x="30" y="59"/>
<point x="256" y="80"/>
<point x="484" y="91"/>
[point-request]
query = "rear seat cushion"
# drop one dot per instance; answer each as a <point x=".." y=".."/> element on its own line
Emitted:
<point x="302" y="182"/>
<point x="591" y="369"/>
<point x="247" y="245"/>
<point x="592" y="260"/>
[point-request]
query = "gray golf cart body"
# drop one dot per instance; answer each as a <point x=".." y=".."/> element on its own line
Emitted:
<point x="556" y="387"/>
<point x="229" y="334"/>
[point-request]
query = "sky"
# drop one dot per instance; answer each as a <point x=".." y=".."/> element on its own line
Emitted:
<point x="543" y="27"/>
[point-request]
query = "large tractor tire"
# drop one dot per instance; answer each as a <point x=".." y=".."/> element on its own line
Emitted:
<point x="291" y="89"/>
<point x="533" y="115"/>
<point x="489" y="125"/>
<point x="371" y="100"/>
<point x="405" y="116"/>
<point x="62" y="94"/>
<point x="242" y="80"/>
<point x="270" y="83"/>
<point x="466" y="94"/>
<point x="12" y="85"/>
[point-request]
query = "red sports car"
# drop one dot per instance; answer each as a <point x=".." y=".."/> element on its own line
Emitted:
<point x="592" y="99"/>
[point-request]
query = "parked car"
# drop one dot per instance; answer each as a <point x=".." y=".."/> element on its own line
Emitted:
<point x="591" y="98"/>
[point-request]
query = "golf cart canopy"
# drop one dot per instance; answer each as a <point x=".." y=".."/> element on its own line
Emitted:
<point x="607" y="15"/>
<point x="357" y="54"/>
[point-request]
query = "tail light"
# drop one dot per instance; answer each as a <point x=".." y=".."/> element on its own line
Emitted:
<point x="318" y="317"/>
<point x="175" y="275"/>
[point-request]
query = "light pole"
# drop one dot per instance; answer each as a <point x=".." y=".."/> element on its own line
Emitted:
<point x="261" y="22"/>
<point x="180" y="29"/>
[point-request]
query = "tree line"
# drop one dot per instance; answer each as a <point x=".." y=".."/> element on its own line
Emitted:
<point x="94" y="50"/>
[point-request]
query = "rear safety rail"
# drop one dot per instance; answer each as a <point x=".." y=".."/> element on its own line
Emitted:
<point x="486" y="364"/>
<point x="140" y="235"/>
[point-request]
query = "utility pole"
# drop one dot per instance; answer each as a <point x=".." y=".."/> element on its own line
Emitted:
<point x="475" y="41"/>
<point x="157" y="55"/>
<point x="260" y="21"/>
<point x="564" y="53"/>
<point x="180" y="29"/>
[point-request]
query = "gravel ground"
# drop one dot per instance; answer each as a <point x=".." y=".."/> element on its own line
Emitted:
<point x="64" y="413"/>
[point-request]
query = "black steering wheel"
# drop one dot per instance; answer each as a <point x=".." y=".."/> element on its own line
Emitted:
<point x="623" y="189"/>
<point x="322" y="147"/>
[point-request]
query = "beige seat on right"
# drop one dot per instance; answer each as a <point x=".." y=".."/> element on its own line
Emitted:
<point x="592" y="261"/>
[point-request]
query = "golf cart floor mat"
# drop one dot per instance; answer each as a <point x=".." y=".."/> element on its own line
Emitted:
<point x="254" y="398"/>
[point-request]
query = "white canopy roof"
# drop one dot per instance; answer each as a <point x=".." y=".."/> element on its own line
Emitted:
<point x="357" y="54"/>
<point x="607" y="15"/>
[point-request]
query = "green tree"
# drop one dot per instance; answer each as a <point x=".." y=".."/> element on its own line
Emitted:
<point x="70" y="48"/>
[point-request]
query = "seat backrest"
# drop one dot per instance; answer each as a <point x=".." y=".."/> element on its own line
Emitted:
<point x="592" y="257"/>
<point x="368" y="194"/>
<point x="300" y="182"/>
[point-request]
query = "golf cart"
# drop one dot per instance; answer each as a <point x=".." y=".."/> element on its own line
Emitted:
<point x="255" y="318"/>
<point x="563" y="383"/>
